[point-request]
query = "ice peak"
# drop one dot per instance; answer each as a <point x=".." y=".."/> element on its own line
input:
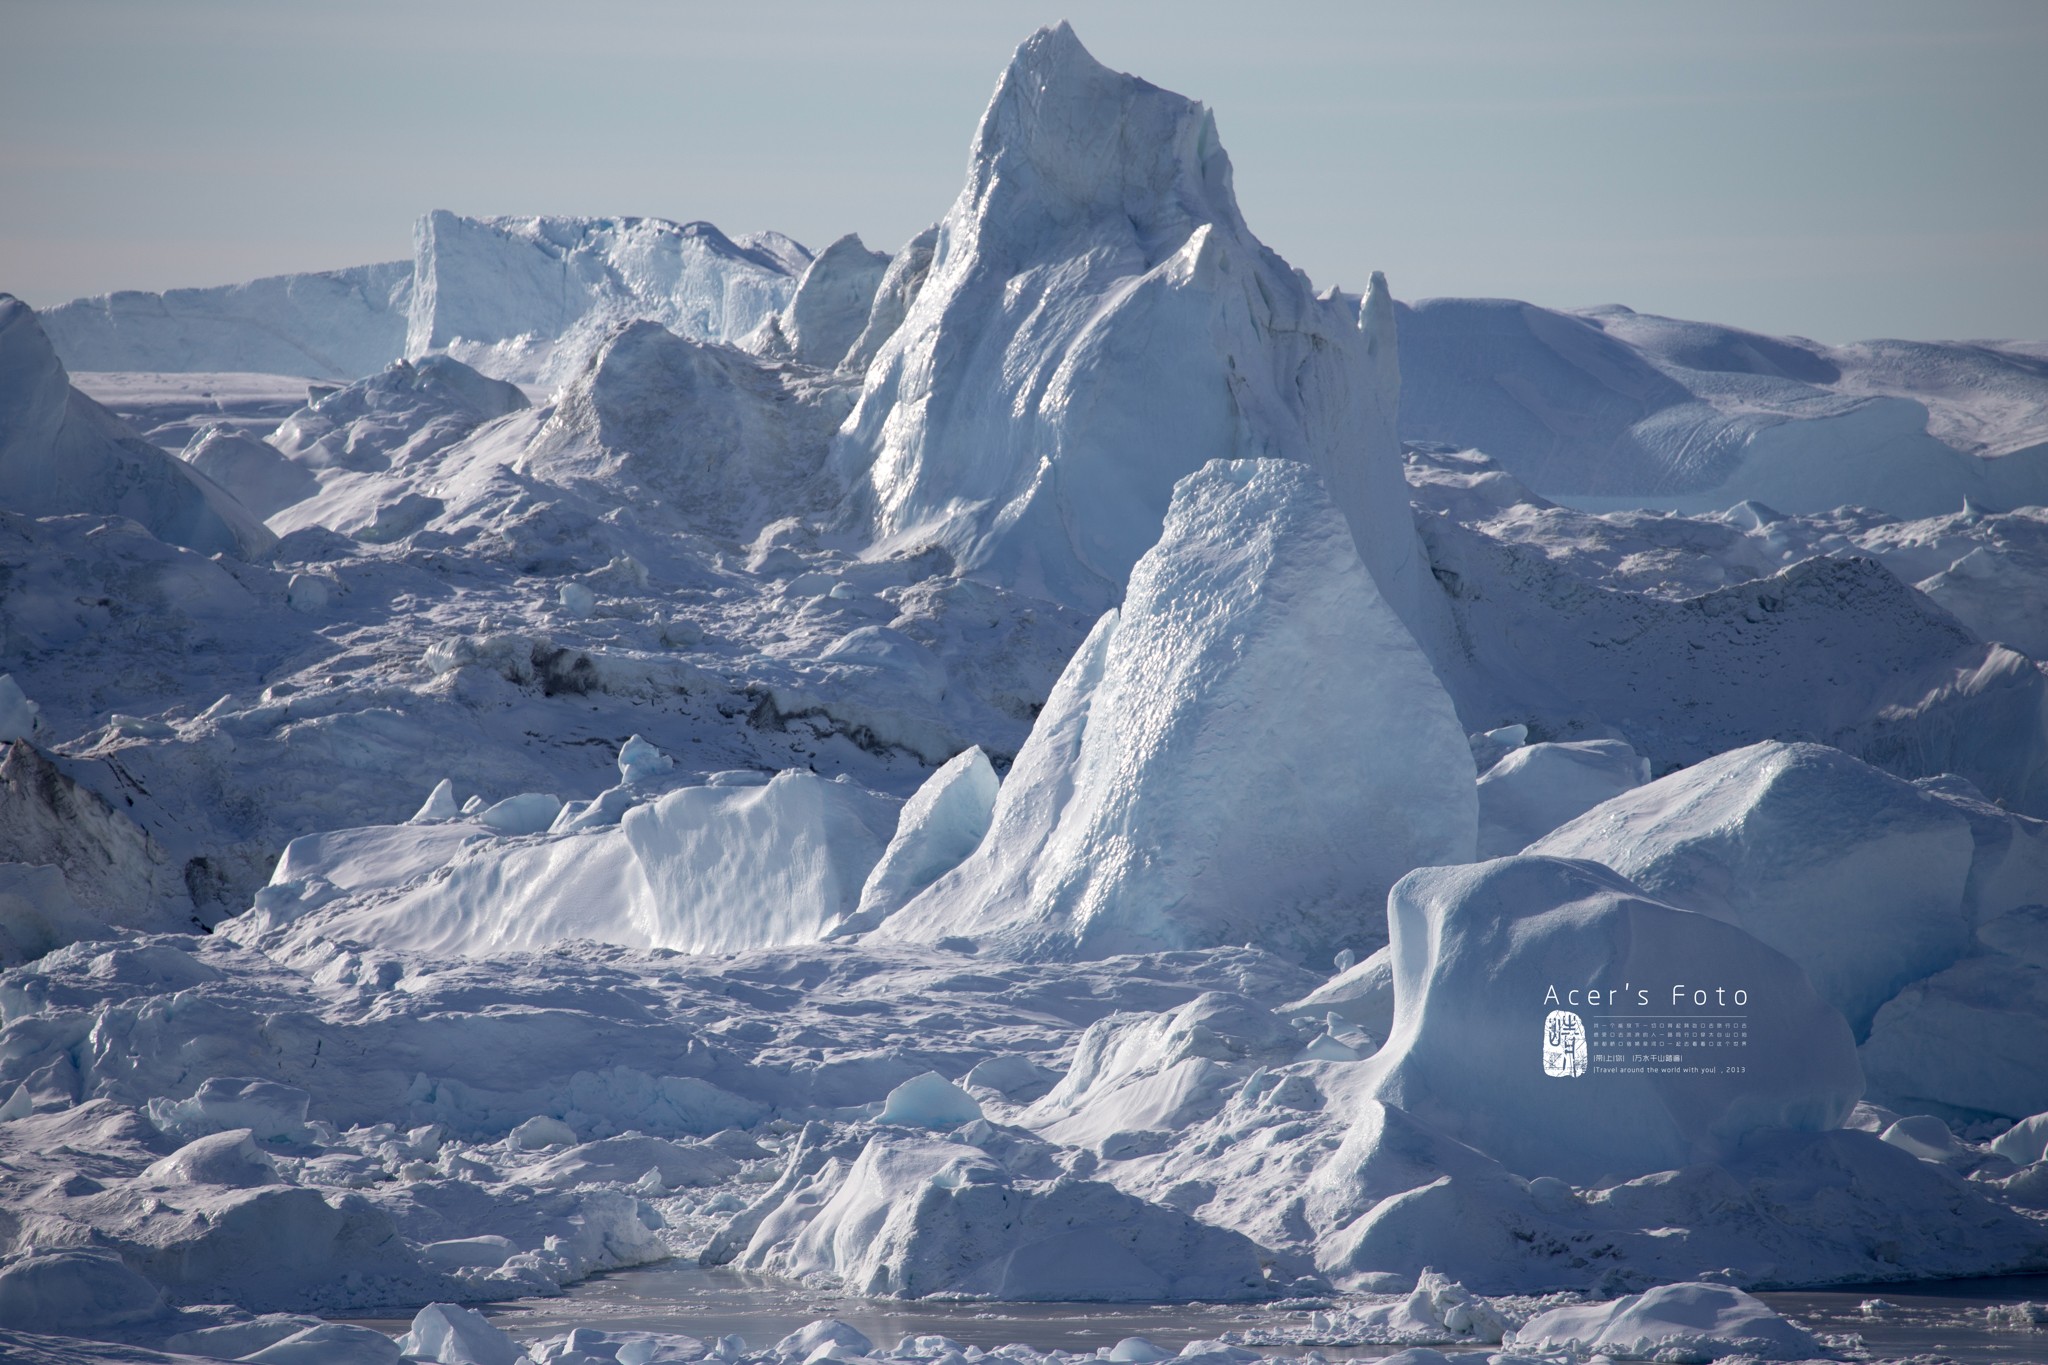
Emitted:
<point x="1376" y="320"/>
<point x="1068" y="137"/>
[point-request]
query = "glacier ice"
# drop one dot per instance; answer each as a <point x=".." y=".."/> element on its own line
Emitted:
<point x="455" y="1335"/>
<point x="929" y="1101"/>
<point x="702" y="868"/>
<point x="939" y="827"/>
<point x="1106" y="836"/>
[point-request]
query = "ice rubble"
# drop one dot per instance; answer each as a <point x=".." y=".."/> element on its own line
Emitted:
<point x="1098" y="321"/>
<point x="60" y="453"/>
<point x="1106" y="836"/>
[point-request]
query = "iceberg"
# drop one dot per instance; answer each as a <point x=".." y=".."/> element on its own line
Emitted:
<point x="1537" y="787"/>
<point x="60" y="453"/>
<point x="1858" y="877"/>
<point x="1097" y="322"/>
<point x="1108" y="835"/>
<point x="1487" y="957"/>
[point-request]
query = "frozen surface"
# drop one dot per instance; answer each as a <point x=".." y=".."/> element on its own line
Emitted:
<point x="1107" y="836"/>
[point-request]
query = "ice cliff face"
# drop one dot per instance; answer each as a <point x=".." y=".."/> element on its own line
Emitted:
<point x="1109" y="836"/>
<point x="1098" y="321"/>
<point x="336" y="324"/>
<point x="521" y="298"/>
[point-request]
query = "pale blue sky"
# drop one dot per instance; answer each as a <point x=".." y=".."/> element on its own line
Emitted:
<point x="1836" y="168"/>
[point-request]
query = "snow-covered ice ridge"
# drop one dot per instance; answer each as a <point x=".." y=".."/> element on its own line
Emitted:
<point x="858" y="769"/>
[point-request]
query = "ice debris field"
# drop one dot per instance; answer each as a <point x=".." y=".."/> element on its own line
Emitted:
<point x="1062" y="763"/>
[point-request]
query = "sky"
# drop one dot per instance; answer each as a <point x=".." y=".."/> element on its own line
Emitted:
<point x="1838" y="169"/>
